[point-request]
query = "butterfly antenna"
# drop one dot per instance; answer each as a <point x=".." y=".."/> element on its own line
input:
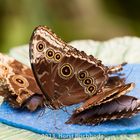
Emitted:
<point x="130" y="72"/>
<point x="136" y="88"/>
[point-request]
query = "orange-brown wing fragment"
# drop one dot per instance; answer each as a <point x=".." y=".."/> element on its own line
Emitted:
<point x="17" y="84"/>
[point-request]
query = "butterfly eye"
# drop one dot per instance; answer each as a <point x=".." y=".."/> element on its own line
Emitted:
<point x="57" y="56"/>
<point x="91" y="89"/>
<point x="50" y="53"/>
<point x="20" y="81"/>
<point x="82" y="75"/>
<point x="40" y="46"/>
<point x="66" y="71"/>
<point x="88" y="81"/>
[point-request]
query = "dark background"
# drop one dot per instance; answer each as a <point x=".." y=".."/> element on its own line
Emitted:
<point x="70" y="19"/>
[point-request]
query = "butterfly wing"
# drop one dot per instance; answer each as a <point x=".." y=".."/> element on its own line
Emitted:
<point x="17" y="84"/>
<point x="65" y="75"/>
<point x="44" y="48"/>
<point x="122" y="107"/>
<point x="107" y="95"/>
<point x="114" y="88"/>
<point x="76" y="80"/>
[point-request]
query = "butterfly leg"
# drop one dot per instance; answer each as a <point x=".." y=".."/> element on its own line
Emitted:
<point x="115" y="69"/>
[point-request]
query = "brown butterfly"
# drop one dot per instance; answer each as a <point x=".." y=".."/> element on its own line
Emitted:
<point x="67" y="76"/>
<point x="17" y="84"/>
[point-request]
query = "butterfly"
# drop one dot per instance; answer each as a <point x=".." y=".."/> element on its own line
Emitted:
<point x="17" y="84"/>
<point x="67" y="76"/>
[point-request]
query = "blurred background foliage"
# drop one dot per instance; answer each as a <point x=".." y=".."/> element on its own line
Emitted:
<point x="70" y="19"/>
